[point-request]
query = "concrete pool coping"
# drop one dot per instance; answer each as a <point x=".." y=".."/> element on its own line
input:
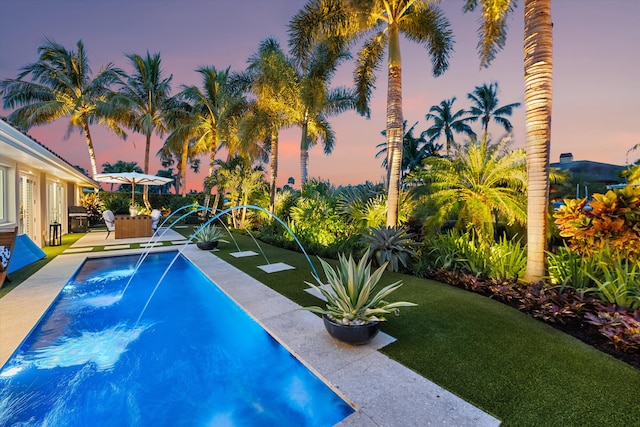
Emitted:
<point x="384" y="392"/>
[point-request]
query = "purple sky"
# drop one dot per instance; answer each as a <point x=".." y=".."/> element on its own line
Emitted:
<point x="596" y="69"/>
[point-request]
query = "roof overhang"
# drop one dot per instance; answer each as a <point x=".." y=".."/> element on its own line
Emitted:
<point x="18" y="146"/>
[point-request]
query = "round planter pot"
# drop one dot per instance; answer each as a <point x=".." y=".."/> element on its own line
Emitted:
<point x="207" y="246"/>
<point x="351" y="334"/>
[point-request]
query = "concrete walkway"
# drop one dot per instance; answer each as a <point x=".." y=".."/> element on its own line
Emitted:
<point x="383" y="392"/>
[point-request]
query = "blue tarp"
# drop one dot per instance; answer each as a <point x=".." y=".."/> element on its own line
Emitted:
<point x="25" y="252"/>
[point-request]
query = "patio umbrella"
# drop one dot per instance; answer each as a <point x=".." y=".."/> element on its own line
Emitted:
<point x="132" y="178"/>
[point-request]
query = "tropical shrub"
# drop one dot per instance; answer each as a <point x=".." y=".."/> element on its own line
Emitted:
<point x="480" y="183"/>
<point x="391" y="246"/>
<point x="568" y="268"/>
<point x="618" y="282"/>
<point x="507" y="259"/>
<point x="611" y="219"/>
<point x="620" y="327"/>
<point x="94" y="206"/>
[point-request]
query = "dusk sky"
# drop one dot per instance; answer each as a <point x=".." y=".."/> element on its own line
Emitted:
<point x="596" y="81"/>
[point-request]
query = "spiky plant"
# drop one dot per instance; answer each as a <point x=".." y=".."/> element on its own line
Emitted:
<point x="351" y="292"/>
<point x="391" y="246"/>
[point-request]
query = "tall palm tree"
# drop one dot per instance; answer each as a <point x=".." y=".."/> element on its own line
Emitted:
<point x="61" y="86"/>
<point x="482" y="181"/>
<point x="414" y="149"/>
<point x="317" y="101"/>
<point x="141" y="101"/>
<point x="274" y="82"/>
<point x="486" y="107"/>
<point x="379" y="23"/>
<point x="446" y="123"/>
<point x="538" y="72"/>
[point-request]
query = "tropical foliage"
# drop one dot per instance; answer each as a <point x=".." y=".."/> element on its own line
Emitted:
<point x="611" y="219"/>
<point x="481" y="183"/>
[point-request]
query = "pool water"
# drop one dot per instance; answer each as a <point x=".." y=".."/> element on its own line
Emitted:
<point x="194" y="359"/>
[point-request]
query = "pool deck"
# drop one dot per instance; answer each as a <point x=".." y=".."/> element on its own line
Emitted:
<point x="383" y="392"/>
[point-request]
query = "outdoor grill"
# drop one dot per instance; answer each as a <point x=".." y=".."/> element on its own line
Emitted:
<point x="78" y="219"/>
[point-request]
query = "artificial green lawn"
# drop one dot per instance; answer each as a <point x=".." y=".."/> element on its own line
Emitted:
<point x="514" y="367"/>
<point x="518" y="369"/>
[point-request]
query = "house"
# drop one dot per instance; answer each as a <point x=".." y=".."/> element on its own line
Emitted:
<point x="588" y="173"/>
<point x="37" y="186"/>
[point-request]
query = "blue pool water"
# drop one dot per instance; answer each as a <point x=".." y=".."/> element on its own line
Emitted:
<point x="194" y="359"/>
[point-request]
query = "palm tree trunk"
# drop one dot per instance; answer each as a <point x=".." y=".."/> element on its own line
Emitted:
<point x="538" y="71"/>
<point x="92" y="153"/>
<point x="145" y="192"/>
<point x="304" y="154"/>
<point x="183" y="167"/>
<point x="273" y="170"/>
<point x="394" y="126"/>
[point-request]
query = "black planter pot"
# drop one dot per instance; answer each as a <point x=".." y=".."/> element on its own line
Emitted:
<point x="207" y="246"/>
<point x="351" y="334"/>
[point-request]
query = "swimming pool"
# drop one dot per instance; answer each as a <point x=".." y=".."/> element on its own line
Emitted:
<point x="194" y="358"/>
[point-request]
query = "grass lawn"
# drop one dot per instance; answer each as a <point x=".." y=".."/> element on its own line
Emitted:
<point x="512" y="366"/>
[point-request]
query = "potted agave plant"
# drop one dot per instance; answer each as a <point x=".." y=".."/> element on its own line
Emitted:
<point x="209" y="237"/>
<point x="354" y="307"/>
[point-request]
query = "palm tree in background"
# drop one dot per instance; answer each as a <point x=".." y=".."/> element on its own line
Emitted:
<point x="414" y="149"/>
<point x="141" y="101"/>
<point x="317" y="101"/>
<point x="538" y="72"/>
<point x="481" y="182"/>
<point x="274" y="83"/>
<point x="61" y="86"/>
<point x="446" y="123"/>
<point x="486" y="108"/>
<point x="216" y="110"/>
<point x="379" y="23"/>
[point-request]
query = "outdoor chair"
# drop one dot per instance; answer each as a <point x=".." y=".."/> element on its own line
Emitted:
<point x="110" y="221"/>
<point x="7" y="241"/>
<point x="155" y="219"/>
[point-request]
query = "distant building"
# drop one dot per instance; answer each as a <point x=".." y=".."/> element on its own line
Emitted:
<point x="602" y="173"/>
<point x="37" y="186"/>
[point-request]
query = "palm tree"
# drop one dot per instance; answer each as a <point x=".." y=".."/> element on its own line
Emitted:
<point x="447" y="122"/>
<point x="480" y="183"/>
<point x="379" y="23"/>
<point x="239" y="180"/>
<point x="486" y="107"/>
<point x="216" y="110"/>
<point x="61" y="86"/>
<point x="538" y="72"/>
<point x="414" y="149"/>
<point x="141" y="101"/>
<point x="317" y="101"/>
<point x="274" y="82"/>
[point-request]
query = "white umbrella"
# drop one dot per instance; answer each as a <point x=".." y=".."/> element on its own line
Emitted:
<point x="132" y="178"/>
